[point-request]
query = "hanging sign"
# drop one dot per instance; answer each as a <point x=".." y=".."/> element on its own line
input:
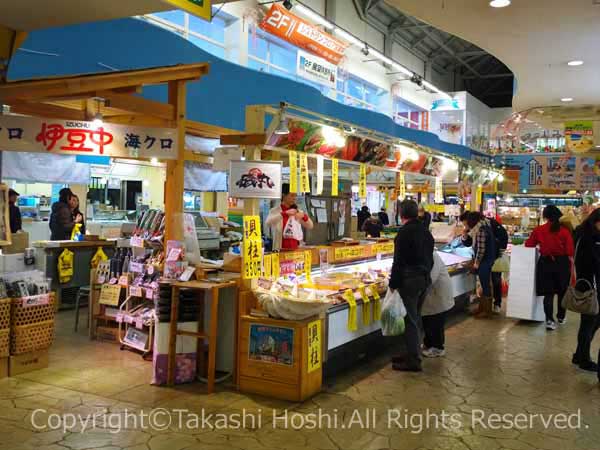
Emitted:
<point x="292" y="263"/>
<point x="439" y="191"/>
<point x="275" y="269"/>
<point x="316" y="69"/>
<point x="255" y="179"/>
<point x="77" y="137"/>
<point x="579" y="136"/>
<point x="198" y="8"/>
<point x="479" y="195"/>
<point x="307" y="264"/>
<point x="314" y="346"/>
<point x="304" y="179"/>
<point x="402" y="186"/>
<point x="267" y="266"/>
<point x="362" y="182"/>
<point x="320" y="174"/>
<point x="352" y="322"/>
<point x="334" y="177"/>
<point x="293" y="156"/>
<point x="291" y="28"/>
<point x="376" y="302"/>
<point x="252" y="247"/>
<point x="366" y="310"/>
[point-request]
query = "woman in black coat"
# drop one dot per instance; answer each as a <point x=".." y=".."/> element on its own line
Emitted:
<point x="587" y="265"/>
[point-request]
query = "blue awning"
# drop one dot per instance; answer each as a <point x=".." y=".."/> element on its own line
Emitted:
<point x="217" y="99"/>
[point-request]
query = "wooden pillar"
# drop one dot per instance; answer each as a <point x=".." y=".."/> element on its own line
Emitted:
<point x="174" y="178"/>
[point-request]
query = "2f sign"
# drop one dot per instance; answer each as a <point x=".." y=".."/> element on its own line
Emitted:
<point x="278" y="20"/>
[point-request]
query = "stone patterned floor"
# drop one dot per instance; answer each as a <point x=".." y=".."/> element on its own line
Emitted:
<point x="494" y="366"/>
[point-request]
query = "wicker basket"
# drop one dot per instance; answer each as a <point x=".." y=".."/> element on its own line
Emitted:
<point x="4" y="313"/>
<point x="4" y="342"/>
<point x="28" y="338"/>
<point x="26" y="315"/>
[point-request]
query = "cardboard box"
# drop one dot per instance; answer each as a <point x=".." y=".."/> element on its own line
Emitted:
<point x="3" y="367"/>
<point x="28" y="362"/>
<point x="20" y="241"/>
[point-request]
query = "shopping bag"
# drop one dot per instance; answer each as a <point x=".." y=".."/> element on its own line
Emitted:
<point x="392" y="314"/>
<point x="293" y="230"/>
<point x="501" y="264"/>
<point x="98" y="257"/>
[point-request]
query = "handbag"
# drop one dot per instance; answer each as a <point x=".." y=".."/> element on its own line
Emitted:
<point x="582" y="302"/>
<point x="501" y="264"/>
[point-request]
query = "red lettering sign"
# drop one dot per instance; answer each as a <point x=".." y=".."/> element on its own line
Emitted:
<point x="289" y="27"/>
<point x="78" y="139"/>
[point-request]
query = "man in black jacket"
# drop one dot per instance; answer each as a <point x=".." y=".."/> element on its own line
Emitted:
<point x="413" y="261"/>
<point x="61" y="220"/>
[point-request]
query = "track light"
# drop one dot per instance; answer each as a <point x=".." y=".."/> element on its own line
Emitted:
<point x="365" y="50"/>
<point x="282" y="127"/>
<point x="287" y="4"/>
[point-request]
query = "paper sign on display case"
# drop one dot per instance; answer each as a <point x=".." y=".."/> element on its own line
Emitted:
<point x="255" y="179"/>
<point x="314" y="346"/>
<point x="110" y="294"/>
<point x="316" y="69"/>
<point x="293" y="157"/>
<point x="78" y="137"/>
<point x="291" y="28"/>
<point x="334" y="177"/>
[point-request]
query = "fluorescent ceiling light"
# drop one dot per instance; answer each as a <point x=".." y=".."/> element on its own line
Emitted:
<point x="499" y="3"/>
<point x="348" y="37"/>
<point x="566" y="99"/>
<point x="402" y="69"/>
<point x="315" y="17"/>
<point x="380" y="56"/>
<point x="574" y="63"/>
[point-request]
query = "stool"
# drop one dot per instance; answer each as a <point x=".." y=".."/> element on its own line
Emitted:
<point x="83" y="291"/>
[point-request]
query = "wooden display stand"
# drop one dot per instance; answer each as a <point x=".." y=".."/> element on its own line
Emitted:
<point x="290" y="380"/>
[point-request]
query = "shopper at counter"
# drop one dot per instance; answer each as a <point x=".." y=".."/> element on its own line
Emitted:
<point x="373" y="226"/>
<point x="587" y="267"/>
<point x="14" y="211"/>
<point x="361" y="216"/>
<point x="280" y="215"/>
<point x="424" y="216"/>
<point x="554" y="266"/>
<point x="61" y="219"/>
<point x="384" y="217"/>
<point x="411" y="276"/>
<point x="76" y="212"/>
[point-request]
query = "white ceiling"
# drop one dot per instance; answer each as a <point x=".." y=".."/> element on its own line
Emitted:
<point x="534" y="38"/>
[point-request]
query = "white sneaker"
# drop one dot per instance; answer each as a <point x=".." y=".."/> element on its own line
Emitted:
<point x="550" y="325"/>
<point x="562" y="321"/>
<point x="497" y="309"/>
<point x="433" y="352"/>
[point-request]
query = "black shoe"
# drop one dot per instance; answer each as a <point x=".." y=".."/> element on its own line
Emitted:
<point x="575" y="359"/>
<point x="398" y="359"/>
<point x="590" y="366"/>
<point x="406" y="366"/>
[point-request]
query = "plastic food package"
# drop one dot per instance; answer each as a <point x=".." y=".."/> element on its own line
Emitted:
<point x="392" y="314"/>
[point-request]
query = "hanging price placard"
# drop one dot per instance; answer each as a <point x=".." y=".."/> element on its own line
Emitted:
<point x="307" y="264"/>
<point x="253" y="251"/>
<point x="439" y="191"/>
<point x="320" y="165"/>
<point x="293" y="171"/>
<point x="401" y="186"/>
<point x="275" y="269"/>
<point x="352" y="322"/>
<point x="376" y="302"/>
<point x="334" y="177"/>
<point x="384" y="248"/>
<point x="314" y="346"/>
<point x="267" y="266"/>
<point x="479" y="195"/>
<point x="362" y="182"/>
<point x="304" y="179"/>
<point x="366" y="310"/>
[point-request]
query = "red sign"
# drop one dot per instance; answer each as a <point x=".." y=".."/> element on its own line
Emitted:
<point x="77" y="138"/>
<point x="289" y="27"/>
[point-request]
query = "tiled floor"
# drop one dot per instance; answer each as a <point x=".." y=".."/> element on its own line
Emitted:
<point x="493" y="366"/>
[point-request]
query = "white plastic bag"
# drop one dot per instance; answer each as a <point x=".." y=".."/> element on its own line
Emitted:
<point x="392" y="314"/>
<point x="293" y="230"/>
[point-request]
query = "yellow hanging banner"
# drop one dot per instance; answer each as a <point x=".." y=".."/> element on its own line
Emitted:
<point x="307" y="264"/>
<point x="362" y="182"/>
<point x="402" y="186"/>
<point x="267" y="266"/>
<point x="376" y="302"/>
<point x="304" y="179"/>
<point x="293" y="171"/>
<point x="479" y="195"/>
<point x="275" y="268"/>
<point x="352" y="322"/>
<point x="366" y="310"/>
<point x="314" y="346"/>
<point x="439" y="191"/>
<point x="334" y="177"/>
<point x="253" y="252"/>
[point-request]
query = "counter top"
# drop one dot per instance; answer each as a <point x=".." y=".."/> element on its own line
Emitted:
<point x="74" y="244"/>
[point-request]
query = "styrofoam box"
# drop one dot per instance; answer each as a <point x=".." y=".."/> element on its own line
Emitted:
<point x="12" y="263"/>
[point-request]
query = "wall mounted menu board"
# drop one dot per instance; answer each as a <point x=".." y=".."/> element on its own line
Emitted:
<point x="5" y="234"/>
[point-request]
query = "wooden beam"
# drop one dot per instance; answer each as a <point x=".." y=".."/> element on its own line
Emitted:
<point x="138" y="105"/>
<point x="43" y="110"/>
<point x="73" y="85"/>
<point x="142" y="121"/>
<point x="208" y="131"/>
<point x="244" y="139"/>
<point x="197" y="157"/>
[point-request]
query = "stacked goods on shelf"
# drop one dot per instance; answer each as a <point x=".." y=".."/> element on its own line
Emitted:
<point x="186" y="346"/>
<point x="32" y="323"/>
<point x="150" y="225"/>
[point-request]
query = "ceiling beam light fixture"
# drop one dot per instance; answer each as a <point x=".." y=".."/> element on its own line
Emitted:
<point x="312" y="15"/>
<point x="575" y="63"/>
<point x="566" y="99"/>
<point x="499" y="3"/>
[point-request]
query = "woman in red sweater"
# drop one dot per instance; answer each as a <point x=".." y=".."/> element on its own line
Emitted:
<point x="554" y="266"/>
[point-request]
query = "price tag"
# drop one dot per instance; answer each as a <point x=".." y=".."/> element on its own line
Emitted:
<point x="366" y="310"/>
<point x="187" y="273"/>
<point x="307" y="264"/>
<point x="344" y="253"/>
<point x="150" y="270"/>
<point x="136" y="291"/>
<point x="376" y="302"/>
<point x="139" y="323"/>
<point x="128" y="318"/>
<point x="110" y="294"/>
<point x="384" y="248"/>
<point x="136" y="267"/>
<point x="136" y="241"/>
<point x="119" y="317"/>
<point x="352" y="322"/>
<point x="124" y="280"/>
<point x="150" y="294"/>
<point x="275" y="265"/>
<point x="36" y="300"/>
<point x="101" y="279"/>
<point x="174" y="255"/>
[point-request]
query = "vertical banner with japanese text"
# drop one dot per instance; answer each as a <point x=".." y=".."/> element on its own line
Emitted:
<point x="314" y="346"/>
<point x="362" y="182"/>
<point x="334" y="177"/>
<point x="320" y="170"/>
<point x="293" y="156"/>
<point x="439" y="191"/>
<point x="401" y="186"/>
<point x="252" y="258"/>
<point x="304" y="179"/>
